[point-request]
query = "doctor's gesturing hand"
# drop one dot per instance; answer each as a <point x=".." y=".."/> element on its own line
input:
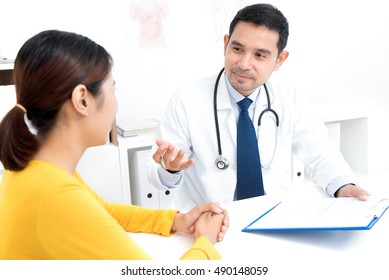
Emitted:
<point x="174" y="160"/>
<point x="170" y="158"/>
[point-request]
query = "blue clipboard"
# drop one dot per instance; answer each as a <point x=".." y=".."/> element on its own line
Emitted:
<point x="320" y="214"/>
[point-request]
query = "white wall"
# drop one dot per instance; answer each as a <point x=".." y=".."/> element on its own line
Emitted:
<point x="338" y="50"/>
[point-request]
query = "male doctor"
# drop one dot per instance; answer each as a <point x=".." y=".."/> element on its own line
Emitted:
<point x="187" y="143"/>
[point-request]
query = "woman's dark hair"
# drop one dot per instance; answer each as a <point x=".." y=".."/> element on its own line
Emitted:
<point x="47" y="69"/>
<point x="267" y="15"/>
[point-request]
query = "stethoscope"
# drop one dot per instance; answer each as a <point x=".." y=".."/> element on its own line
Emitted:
<point x="221" y="162"/>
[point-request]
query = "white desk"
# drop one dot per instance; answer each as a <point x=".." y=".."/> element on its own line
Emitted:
<point x="300" y="253"/>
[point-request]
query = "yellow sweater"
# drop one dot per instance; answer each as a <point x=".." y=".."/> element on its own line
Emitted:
<point x="45" y="213"/>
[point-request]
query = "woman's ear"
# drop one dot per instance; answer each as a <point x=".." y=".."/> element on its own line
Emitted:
<point x="80" y="99"/>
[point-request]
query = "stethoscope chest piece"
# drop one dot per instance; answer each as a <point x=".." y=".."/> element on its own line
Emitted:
<point x="222" y="162"/>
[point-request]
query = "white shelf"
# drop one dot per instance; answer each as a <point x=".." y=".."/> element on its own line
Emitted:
<point x="134" y="152"/>
<point x="139" y="141"/>
<point x="6" y="64"/>
<point x="337" y="112"/>
<point x="347" y="125"/>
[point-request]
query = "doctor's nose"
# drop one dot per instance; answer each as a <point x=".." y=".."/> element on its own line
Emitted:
<point x="245" y="62"/>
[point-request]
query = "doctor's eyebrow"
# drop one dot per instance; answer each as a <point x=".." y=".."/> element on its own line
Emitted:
<point x="263" y="51"/>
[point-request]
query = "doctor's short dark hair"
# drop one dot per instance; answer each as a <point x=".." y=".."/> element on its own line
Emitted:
<point x="266" y="15"/>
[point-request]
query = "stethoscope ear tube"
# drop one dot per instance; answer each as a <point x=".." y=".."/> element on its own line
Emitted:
<point x="268" y="109"/>
<point x="221" y="161"/>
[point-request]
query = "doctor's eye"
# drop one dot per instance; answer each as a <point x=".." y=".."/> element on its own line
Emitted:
<point x="237" y="49"/>
<point x="260" y="55"/>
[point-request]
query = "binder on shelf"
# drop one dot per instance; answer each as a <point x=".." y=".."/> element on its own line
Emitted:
<point x="344" y="213"/>
<point x="136" y="127"/>
<point x="6" y="60"/>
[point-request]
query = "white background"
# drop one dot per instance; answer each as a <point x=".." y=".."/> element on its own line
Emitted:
<point x="338" y="50"/>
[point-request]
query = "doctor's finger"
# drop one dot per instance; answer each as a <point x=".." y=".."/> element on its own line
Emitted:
<point x="170" y="153"/>
<point x="161" y="142"/>
<point x="185" y="164"/>
<point x="177" y="157"/>
<point x="158" y="154"/>
<point x="181" y="162"/>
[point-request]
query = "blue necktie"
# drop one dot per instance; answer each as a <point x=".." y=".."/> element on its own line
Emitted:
<point x="249" y="173"/>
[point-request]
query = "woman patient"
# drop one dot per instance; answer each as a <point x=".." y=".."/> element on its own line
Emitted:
<point x="65" y="104"/>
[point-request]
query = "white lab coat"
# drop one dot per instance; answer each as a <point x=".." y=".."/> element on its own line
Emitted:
<point x="189" y="124"/>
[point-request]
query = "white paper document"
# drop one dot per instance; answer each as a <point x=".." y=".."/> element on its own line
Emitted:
<point x="321" y="214"/>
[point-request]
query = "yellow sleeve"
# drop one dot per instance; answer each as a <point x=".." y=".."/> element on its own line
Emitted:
<point x="134" y="218"/>
<point x="202" y="249"/>
<point x="139" y="219"/>
<point x="75" y="223"/>
<point x="72" y="224"/>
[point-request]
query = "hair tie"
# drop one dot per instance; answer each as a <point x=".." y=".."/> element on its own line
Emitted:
<point x="21" y="107"/>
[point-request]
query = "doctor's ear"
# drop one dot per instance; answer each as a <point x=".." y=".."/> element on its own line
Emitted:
<point x="280" y="59"/>
<point x="80" y="99"/>
<point x="226" y="40"/>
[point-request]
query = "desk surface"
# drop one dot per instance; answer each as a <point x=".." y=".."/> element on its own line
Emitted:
<point x="362" y="251"/>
